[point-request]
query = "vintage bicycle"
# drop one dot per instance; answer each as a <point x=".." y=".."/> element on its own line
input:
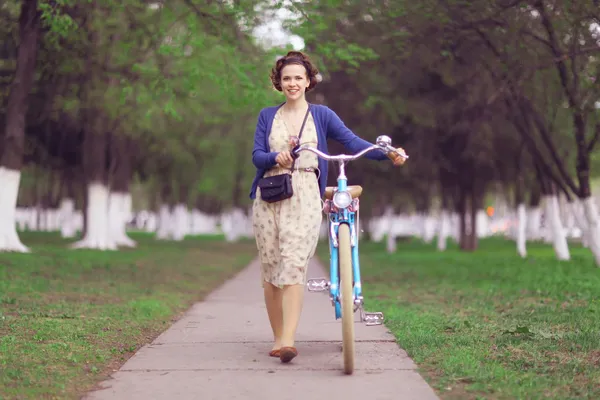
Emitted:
<point x="344" y="284"/>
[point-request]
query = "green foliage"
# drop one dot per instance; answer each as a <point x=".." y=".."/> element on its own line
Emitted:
<point x="55" y="19"/>
<point x="442" y="76"/>
<point x="164" y="76"/>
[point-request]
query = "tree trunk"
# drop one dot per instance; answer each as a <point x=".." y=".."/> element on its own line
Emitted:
<point x="11" y="158"/>
<point x="444" y="225"/>
<point x="534" y="213"/>
<point x="521" y="216"/>
<point x="181" y="214"/>
<point x="462" y="212"/>
<point x="165" y="215"/>
<point x="68" y="225"/>
<point x="95" y="144"/>
<point x="473" y="238"/>
<point x="119" y="203"/>
<point x="592" y="231"/>
<point x="557" y="232"/>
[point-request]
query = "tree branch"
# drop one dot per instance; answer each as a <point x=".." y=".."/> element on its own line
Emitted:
<point x="520" y="122"/>
<point x="545" y="135"/>
<point x="592" y="142"/>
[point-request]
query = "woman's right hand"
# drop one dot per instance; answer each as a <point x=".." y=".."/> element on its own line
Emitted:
<point x="396" y="156"/>
<point x="284" y="159"/>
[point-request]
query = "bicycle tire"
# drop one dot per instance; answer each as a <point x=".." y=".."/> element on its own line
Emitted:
<point x="347" y="298"/>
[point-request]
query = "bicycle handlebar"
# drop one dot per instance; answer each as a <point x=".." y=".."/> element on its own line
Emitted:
<point x="383" y="143"/>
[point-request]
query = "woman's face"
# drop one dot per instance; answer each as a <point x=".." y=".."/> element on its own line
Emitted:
<point x="294" y="81"/>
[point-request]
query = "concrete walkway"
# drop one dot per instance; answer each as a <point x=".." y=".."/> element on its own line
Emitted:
<point x="219" y="351"/>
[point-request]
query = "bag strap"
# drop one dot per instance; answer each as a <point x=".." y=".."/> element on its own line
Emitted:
<point x="300" y="135"/>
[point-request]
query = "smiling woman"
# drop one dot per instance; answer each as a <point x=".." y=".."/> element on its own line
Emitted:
<point x="287" y="227"/>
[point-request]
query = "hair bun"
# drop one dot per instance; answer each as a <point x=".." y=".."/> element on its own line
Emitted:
<point x="297" y="54"/>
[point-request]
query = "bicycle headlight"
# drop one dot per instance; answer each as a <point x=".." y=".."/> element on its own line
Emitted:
<point x="342" y="199"/>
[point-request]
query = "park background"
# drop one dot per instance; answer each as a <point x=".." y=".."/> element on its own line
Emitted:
<point x="125" y="169"/>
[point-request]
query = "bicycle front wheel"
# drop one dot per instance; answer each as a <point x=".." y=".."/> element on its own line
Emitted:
<point x="347" y="297"/>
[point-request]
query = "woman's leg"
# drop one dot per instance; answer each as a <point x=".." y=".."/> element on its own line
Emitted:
<point x="273" y="301"/>
<point x="293" y="297"/>
<point x="266" y="234"/>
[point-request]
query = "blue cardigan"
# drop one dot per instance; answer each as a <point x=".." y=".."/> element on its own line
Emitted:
<point x="328" y="125"/>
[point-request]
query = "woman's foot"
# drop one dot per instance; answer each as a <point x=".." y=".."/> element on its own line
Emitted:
<point x="287" y="354"/>
<point x="274" y="353"/>
<point x="275" y="350"/>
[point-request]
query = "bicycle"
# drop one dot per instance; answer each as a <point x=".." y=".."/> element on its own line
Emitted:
<point x="344" y="284"/>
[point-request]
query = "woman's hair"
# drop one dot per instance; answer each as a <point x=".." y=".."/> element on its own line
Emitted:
<point x="294" y="57"/>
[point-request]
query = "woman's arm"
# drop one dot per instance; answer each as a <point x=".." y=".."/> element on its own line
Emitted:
<point x="337" y="130"/>
<point x="261" y="158"/>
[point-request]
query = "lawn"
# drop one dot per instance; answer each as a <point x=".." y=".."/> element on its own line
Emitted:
<point x="68" y="318"/>
<point x="489" y="325"/>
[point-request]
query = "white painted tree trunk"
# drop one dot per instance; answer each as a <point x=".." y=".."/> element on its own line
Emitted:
<point x="21" y="219"/>
<point x="521" y="230"/>
<point x="67" y="218"/>
<point x="165" y="221"/>
<point x="534" y="217"/>
<point x="483" y="224"/>
<point x="578" y="210"/>
<point x="54" y="220"/>
<point x="181" y="222"/>
<point x="443" y="230"/>
<point x="234" y="224"/>
<point x="428" y="227"/>
<point x="42" y="219"/>
<point x="9" y="190"/>
<point x="33" y="219"/>
<point x="41" y="216"/>
<point x="558" y="234"/>
<point x="455" y="227"/>
<point x="203" y="224"/>
<point x="390" y="243"/>
<point x="98" y="235"/>
<point x="119" y="209"/>
<point x="593" y="227"/>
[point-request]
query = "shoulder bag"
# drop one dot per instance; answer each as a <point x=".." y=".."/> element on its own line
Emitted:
<point x="279" y="187"/>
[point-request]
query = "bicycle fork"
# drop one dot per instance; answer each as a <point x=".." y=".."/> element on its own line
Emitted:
<point x="332" y="285"/>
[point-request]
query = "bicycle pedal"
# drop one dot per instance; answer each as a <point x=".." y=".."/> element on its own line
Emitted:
<point x="317" y="285"/>
<point x="371" y="319"/>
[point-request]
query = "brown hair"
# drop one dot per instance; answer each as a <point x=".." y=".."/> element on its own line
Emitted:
<point x="294" y="57"/>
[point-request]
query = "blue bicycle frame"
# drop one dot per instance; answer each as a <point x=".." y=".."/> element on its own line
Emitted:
<point x="336" y="217"/>
<point x="345" y="211"/>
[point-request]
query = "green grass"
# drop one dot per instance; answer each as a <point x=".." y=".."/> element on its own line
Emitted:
<point x="489" y="325"/>
<point x="70" y="317"/>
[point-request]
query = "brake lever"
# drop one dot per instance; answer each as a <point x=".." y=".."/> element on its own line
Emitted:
<point x="293" y="152"/>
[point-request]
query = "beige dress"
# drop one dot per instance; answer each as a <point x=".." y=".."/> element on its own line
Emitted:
<point x="287" y="231"/>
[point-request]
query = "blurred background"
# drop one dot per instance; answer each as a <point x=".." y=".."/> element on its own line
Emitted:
<point x="140" y="115"/>
<point x="127" y="128"/>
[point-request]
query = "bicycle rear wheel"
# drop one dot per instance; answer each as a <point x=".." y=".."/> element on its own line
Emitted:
<point x="347" y="297"/>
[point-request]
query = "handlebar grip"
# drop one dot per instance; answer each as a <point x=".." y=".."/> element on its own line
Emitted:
<point x="294" y="153"/>
<point x="394" y="155"/>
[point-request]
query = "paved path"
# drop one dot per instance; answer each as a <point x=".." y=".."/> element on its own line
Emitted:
<point x="218" y="351"/>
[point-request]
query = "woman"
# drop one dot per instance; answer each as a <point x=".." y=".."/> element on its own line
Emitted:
<point x="287" y="231"/>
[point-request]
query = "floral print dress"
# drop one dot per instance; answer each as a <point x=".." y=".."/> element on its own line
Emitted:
<point x="287" y="231"/>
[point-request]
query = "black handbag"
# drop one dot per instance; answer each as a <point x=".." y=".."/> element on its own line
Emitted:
<point x="279" y="187"/>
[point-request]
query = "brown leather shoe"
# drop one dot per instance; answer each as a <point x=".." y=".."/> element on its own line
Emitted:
<point x="274" y="353"/>
<point x="287" y="354"/>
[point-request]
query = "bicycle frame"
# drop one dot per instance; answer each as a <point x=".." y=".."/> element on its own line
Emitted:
<point x="337" y="216"/>
<point x="345" y="213"/>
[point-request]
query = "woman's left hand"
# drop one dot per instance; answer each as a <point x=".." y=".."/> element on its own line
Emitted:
<point x="396" y="157"/>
